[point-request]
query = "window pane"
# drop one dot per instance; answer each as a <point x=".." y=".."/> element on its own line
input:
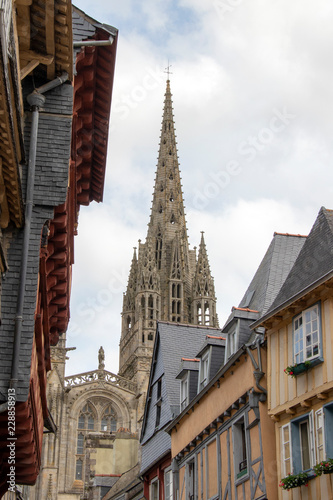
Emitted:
<point x="80" y="441"/>
<point x="113" y="425"/>
<point x="305" y="450"/>
<point x="78" y="471"/>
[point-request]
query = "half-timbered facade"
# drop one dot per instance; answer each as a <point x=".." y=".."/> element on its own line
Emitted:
<point x="299" y="328"/>
<point x="223" y="441"/>
<point x="163" y="401"/>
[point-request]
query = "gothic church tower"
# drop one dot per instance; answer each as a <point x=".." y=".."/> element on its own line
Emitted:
<point x="167" y="281"/>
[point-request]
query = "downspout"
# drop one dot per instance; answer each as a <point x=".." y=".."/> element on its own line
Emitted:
<point x="36" y="100"/>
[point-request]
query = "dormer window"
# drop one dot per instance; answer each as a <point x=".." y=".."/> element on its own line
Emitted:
<point x="204" y="370"/>
<point x="232" y="341"/>
<point x="184" y="391"/>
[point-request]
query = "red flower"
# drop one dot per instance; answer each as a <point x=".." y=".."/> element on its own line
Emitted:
<point x="291" y="373"/>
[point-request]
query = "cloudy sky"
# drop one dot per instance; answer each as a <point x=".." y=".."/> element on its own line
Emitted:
<point x="252" y="94"/>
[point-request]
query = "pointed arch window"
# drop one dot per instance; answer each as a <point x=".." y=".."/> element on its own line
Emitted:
<point x="86" y="418"/>
<point x="206" y="313"/>
<point x="109" y="420"/>
<point x="129" y="323"/>
<point x="79" y="470"/>
<point x="171" y="197"/>
<point x="199" y="314"/>
<point x="158" y="251"/>
<point x="171" y="176"/>
<point x="143" y="307"/>
<point x="173" y="219"/>
<point x="80" y="443"/>
<point x="85" y="423"/>
<point x="176" y="300"/>
<point x="150" y="307"/>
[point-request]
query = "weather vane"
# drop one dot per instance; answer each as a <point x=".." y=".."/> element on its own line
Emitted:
<point x="167" y="70"/>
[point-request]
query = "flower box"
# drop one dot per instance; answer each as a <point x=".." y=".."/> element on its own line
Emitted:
<point x="294" y="370"/>
<point x="294" y="480"/>
<point x="324" y="467"/>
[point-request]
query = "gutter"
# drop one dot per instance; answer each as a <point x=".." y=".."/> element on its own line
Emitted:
<point x="93" y="43"/>
<point x="36" y="100"/>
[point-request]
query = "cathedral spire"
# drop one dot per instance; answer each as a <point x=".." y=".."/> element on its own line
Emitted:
<point x="161" y="282"/>
<point x="204" y="299"/>
<point x="168" y="205"/>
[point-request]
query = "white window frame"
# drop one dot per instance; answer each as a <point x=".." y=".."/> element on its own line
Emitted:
<point x="300" y="324"/>
<point x="154" y="483"/>
<point x="204" y="370"/>
<point x="296" y="458"/>
<point x="231" y="347"/>
<point x="320" y="426"/>
<point x="285" y="459"/>
<point x="168" y="474"/>
<point x="184" y="391"/>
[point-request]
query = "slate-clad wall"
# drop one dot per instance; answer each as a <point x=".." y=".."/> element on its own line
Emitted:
<point x="244" y="332"/>
<point x="216" y="361"/>
<point x="193" y="389"/>
<point x="52" y="165"/>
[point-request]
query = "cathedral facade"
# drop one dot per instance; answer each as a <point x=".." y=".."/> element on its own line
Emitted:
<point x="98" y="414"/>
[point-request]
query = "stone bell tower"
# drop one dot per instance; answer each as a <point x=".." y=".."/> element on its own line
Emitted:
<point x="167" y="281"/>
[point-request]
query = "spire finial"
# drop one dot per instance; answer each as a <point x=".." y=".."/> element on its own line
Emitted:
<point x="167" y="70"/>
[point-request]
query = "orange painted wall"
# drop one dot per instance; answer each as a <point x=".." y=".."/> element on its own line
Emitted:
<point x="233" y="385"/>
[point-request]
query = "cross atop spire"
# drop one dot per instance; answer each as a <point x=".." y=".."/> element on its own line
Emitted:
<point x="167" y="70"/>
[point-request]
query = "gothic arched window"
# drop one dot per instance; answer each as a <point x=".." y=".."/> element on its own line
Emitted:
<point x="85" y="423"/>
<point x="206" y="313"/>
<point x="199" y="314"/>
<point x="86" y="418"/>
<point x="79" y="469"/>
<point x="158" y="250"/>
<point x="109" y="420"/>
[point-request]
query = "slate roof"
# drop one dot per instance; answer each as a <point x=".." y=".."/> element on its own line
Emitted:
<point x="314" y="262"/>
<point x="177" y="341"/>
<point x="172" y="342"/>
<point x="269" y="277"/>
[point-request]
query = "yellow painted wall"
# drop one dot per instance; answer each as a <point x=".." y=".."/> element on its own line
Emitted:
<point x="235" y="384"/>
<point x="286" y="390"/>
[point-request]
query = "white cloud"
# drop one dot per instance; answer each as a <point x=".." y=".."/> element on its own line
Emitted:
<point x="230" y="74"/>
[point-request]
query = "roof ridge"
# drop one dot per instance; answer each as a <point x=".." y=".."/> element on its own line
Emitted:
<point x="290" y="234"/>
<point x="189" y="325"/>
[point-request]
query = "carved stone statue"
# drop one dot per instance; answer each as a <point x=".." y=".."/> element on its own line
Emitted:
<point x="101" y="359"/>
